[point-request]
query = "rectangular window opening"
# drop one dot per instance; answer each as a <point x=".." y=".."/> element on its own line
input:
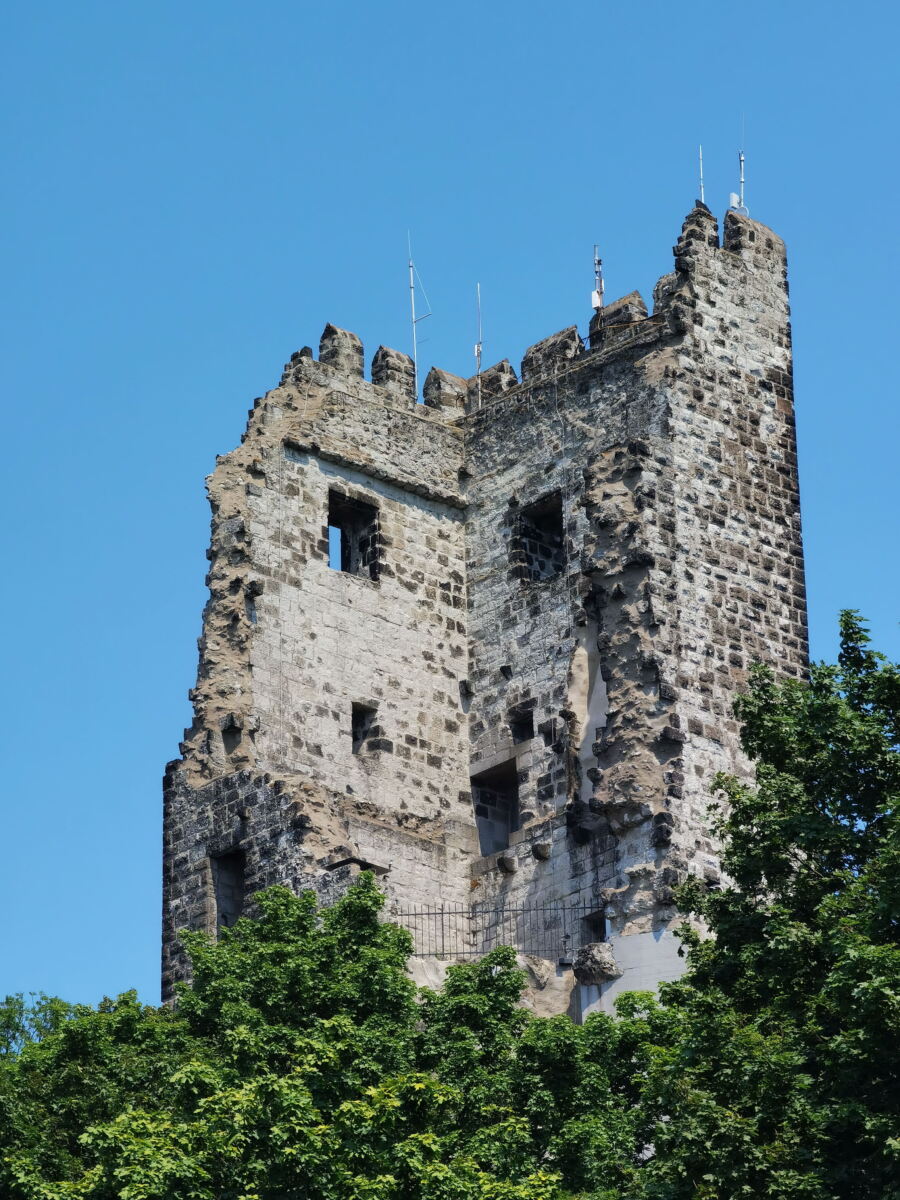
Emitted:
<point x="353" y="542"/>
<point x="594" y="927"/>
<point x="539" y="540"/>
<point x="228" y="886"/>
<point x="521" y="724"/>
<point x="231" y="738"/>
<point x="495" y="795"/>
<point x="362" y="724"/>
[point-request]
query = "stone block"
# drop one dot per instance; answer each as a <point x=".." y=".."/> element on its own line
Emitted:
<point x="395" y="372"/>
<point x="341" y="350"/>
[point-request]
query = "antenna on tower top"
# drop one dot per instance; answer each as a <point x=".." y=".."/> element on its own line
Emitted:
<point x="413" y="279"/>
<point x="478" y="344"/>
<point x="597" y="293"/>
<point x="736" y="200"/>
<point x="702" y="193"/>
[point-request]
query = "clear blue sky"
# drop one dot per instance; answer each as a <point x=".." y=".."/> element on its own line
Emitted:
<point x="193" y="189"/>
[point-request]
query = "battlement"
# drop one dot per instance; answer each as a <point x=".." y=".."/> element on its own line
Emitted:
<point x="489" y="644"/>
<point x="701" y="262"/>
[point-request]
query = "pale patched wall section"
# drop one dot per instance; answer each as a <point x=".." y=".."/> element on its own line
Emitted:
<point x="326" y="639"/>
<point x="669" y="443"/>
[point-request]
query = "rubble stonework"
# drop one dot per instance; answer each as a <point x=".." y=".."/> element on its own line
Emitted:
<point x="518" y="689"/>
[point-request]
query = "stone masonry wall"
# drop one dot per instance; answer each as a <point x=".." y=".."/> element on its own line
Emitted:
<point x="291" y="644"/>
<point x="672" y="445"/>
<point x="562" y="583"/>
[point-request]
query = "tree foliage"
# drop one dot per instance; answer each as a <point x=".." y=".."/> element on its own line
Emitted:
<point x="299" y="1064"/>
<point x="783" y="1080"/>
<point x="302" y="1065"/>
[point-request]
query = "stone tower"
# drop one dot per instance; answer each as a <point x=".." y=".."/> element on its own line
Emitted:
<point x="488" y="645"/>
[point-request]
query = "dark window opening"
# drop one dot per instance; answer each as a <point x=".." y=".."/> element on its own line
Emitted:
<point x="551" y="731"/>
<point x="254" y="589"/>
<point x="231" y="738"/>
<point x="353" y="541"/>
<point x="495" y="794"/>
<point x="521" y="724"/>
<point x="594" y="927"/>
<point x="538" y="544"/>
<point x="228" y="886"/>
<point x="362" y="724"/>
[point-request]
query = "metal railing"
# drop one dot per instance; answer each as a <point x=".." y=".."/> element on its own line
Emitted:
<point x="459" y="931"/>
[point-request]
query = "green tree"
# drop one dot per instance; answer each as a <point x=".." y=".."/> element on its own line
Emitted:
<point x="782" y="1078"/>
<point x="301" y="1064"/>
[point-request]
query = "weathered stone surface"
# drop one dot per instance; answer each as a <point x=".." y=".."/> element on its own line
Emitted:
<point x="557" y="591"/>
<point x="595" y="963"/>
<point x="493" y="382"/>
<point x="341" y="350"/>
<point x="393" y="370"/>
<point x="552" y="354"/>
<point x="445" y="391"/>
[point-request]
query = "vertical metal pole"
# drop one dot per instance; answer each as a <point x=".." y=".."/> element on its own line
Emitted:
<point x="478" y="343"/>
<point x="702" y="193"/>
<point x="741" y="160"/>
<point x="412" y="305"/>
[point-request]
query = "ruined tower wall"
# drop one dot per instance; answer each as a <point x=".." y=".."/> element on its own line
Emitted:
<point x="535" y="642"/>
<point x="671" y="444"/>
<point x="553" y="589"/>
<point x="587" y="648"/>
<point x="741" y="591"/>
<point x="272" y="780"/>
<point x="283" y="631"/>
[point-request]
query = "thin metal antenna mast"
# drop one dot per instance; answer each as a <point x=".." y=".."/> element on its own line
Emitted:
<point x="413" y="278"/>
<point x="597" y="294"/>
<point x="741" y="162"/>
<point x="702" y="193"/>
<point x="478" y="344"/>
<point x="736" y="200"/>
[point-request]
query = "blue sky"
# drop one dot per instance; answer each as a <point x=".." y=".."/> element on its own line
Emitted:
<point x="193" y="189"/>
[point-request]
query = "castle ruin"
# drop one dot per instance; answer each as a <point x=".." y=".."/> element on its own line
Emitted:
<point x="487" y="646"/>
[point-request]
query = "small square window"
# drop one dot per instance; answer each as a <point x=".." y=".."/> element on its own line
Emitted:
<point x="521" y="724"/>
<point x="362" y="724"/>
<point x="537" y="546"/>
<point x="594" y="927"/>
<point x="353" y="541"/>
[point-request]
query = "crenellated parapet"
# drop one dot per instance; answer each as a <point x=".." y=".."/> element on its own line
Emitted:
<point x="619" y="328"/>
